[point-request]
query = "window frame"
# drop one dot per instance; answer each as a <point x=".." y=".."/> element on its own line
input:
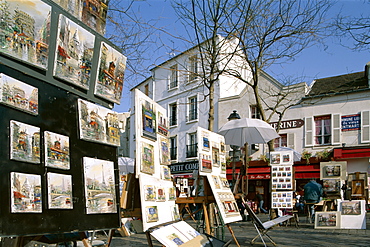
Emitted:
<point x="173" y="119"/>
<point x="192" y="109"/>
<point x="173" y="82"/>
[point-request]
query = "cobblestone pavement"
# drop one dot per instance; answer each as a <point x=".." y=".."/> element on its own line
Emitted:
<point x="304" y="235"/>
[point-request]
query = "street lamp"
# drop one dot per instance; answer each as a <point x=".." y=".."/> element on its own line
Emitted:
<point x="234" y="116"/>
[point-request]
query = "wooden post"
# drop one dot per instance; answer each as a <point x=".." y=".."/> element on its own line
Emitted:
<point x="233" y="235"/>
<point x="206" y="218"/>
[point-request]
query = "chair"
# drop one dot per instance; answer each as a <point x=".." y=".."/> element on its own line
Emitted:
<point x="263" y="228"/>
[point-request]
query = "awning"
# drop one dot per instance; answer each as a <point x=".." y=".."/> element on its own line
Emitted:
<point x="253" y="173"/>
<point x="351" y="152"/>
<point x="307" y="171"/>
<point x="307" y="175"/>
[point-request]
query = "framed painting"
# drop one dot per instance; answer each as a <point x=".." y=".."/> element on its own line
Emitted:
<point x="165" y="173"/>
<point x="148" y="120"/>
<point x="172" y="193"/>
<point x="162" y="123"/>
<point x="59" y="191"/>
<point x="205" y="141"/>
<point x="100" y="190"/>
<point x="161" y="194"/>
<point x="151" y="213"/>
<point x="26" y="193"/>
<point x="358" y="188"/>
<point x="24" y="142"/>
<point x="175" y="212"/>
<point x="74" y="53"/>
<point x="147" y="158"/>
<point x="150" y="193"/>
<point x="275" y="158"/>
<point x="98" y="124"/>
<point x="331" y="185"/>
<point x="350" y="207"/>
<point x="56" y="150"/>
<point x="333" y="170"/>
<point x="109" y="82"/>
<point x="19" y="95"/>
<point x="206" y="163"/>
<point x="165" y="151"/>
<point x="215" y="157"/>
<point x="327" y="220"/>
<point x="27" y="40"/>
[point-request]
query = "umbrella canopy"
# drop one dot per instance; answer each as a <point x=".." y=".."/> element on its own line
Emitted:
<point x="296" y="156"/>
<point x="247" y="130"/>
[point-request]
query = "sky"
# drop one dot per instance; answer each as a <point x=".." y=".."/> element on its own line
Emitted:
<point x="312" y="63"/>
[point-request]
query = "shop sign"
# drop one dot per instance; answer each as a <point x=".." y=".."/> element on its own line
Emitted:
<point x="289" y="124"/>
<point x="184" y="167"/>
<point x="351" y="122"/>
<point x="259" y="176"/>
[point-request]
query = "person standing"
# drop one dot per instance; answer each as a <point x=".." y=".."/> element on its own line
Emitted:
<point x="312" y="194"/>
<point x="259" y="199"/>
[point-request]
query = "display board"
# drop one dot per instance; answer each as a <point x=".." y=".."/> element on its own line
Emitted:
<point x="47" y="186"/>
<point x="352" y="213"/>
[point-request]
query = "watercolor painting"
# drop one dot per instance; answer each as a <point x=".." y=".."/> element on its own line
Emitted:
<point x="19" y="95"/>
<point x="147" y="158"/>
<point x="351" y="207"/>
<point x="161" y="194"/>
<point x="25" y="30"/>
<point x="111" y="71"/>
<point x="92" y="13"/>
<point x="56" y="150"/>
<point x="166" y="173"/>
<point x="59" y="191"/>
<point x="165" y="151"/>
<point x="74" y="53"/>
<point x="149" y="120"/>
<point x="151" y="214"/>
<point x="98" y="124"/>
<point x="25" y="193"/>
<point x="327" y="220"/>
<point x="100" y="191"/>
<point x="162" y="123"/>
<point x="24" y="142"/>
<point x="206" y="163"/>
<point x="172" y="193"/>
<point x="175" y="212"/>
<point x="205" y="141"/>
<point x="150" y="193"/>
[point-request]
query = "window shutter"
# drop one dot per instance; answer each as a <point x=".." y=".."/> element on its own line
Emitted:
<point x="308" y="131"/>
<point x="290" y="140"/>
<point x="336" y="129"/>
<point x="365" y="126"/>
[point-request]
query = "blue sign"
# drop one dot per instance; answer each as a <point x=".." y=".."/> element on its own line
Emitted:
<point x="351" y="122"/>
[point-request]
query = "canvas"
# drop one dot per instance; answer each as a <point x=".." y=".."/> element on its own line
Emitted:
<point x="26" y="30"/>
<point x="19" y="95"/>
<point x="26" y="193"/>
<point x="148" y="120"/>
<point x="171" y="193"/>
<point x="165" y="173"/>
<point x="165" y="151"/>
<point x="162" y="124"/>
<point x="74" y="53"/>
<point x="206" y="163"/>
<point x="333" y="170"/>
<point x="151" y="214"/>
<point x="59" y="191"/>
<point x="98" y="124"/>
<point x="147" y="158"/>
<point x="56" y="150"/>
<point x="112" y="65"/>
<point x="161" y="194"/>
<point x="351" y="207"/>
<point x="24" y="142"/>
<point x="327" y="220"/>
<point x="150" y="193"/>
<point x="100" y="191"/>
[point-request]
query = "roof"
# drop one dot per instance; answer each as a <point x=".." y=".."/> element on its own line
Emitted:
<point x="339" y="84"/>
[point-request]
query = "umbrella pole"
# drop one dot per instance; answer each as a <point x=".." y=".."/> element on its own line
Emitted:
<point x="246" y="164"/>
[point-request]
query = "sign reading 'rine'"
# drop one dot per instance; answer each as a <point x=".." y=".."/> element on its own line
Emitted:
<point x="289" y="124"/>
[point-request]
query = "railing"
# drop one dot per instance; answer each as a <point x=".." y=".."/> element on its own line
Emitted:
<point x="173" y="153"/>
<point x="192" y="150"/>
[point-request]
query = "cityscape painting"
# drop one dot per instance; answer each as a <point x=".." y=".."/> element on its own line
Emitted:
<point x="59" y="191"/>
<point x="25" y="193"/>
<point x="100" y="189"/>
<point x="19" y="95"/>
<point x="56" y="150"/>
<point x="74" y="53"/>
<point x="147" y="158"/>
<point x="111" y="71"/>
<point x="24" y="142"/>
<point x="98" y="124"/>
<point x="25" y="30"/>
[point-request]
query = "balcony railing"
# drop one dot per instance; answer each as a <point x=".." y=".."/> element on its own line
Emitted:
<point x="193" y="115"/>
<point x="192" y="150"/>
<point x="173" y="120"/>
<point x="173" y="153"/>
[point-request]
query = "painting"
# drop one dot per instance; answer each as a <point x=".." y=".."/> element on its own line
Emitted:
<point x="223" y="164"/>
<point x="59" y="191"/>
<point x="282" y="177"/>
<point x="216" y="182"/>
<point x="351" y="207"/>
<point x="25" y="31"/>
<point x="74" y="53"/>
<point x="162" y="123"/>
<point x="275" y="157"/>
<point x="165" y="173"/>
<point x="98" y="124"/>
<point x="165" y="151"/>
<point x="24" y="142"/>
<point x="206" y="163"/>
<point x="205" y="141"/>
<point x="26" y="193"/>
<point x="19" y="95"/>
<point x="331" y="185"/>
<point x="225" y="183"/>
<point x="148" y="120"/>
<point x="147" y="158"/>
<point x="56" y="150"/>
<point x="333" y="170"/>
<point x="100" y="191"/>
<point x="172" y="193"/>
<point x="327" y="220"/>
<point x="92" y="13"/>
<point x="150" y="193"/>
<point x="215" y="157"/>
<point x="282" y="199"/>
<point x="111" y="71"/>
<point x="151" y="214"/>
<point x="161" y="194"/>
<point x="175" y="212"/>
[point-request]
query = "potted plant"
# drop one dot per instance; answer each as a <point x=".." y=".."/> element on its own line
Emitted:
<point x="306" y="155"/>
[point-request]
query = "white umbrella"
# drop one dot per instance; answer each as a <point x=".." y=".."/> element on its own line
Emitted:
<point x="247" y="130"/>
<point x="296" y="156"/>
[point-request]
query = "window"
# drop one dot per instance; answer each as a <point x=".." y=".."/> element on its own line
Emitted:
<point x="193" y="69"/>
<point x="193" y="109"/>
<point x="282" y="141"/>
<point x="322" y="130"/>
<point x="173" y="114"/>
<point x="146" y="89"/>
<point x="255" y="113"/>
<point x="192" y="147"/>
<point x="173" y="76"/>
<point x="173" y="147"/>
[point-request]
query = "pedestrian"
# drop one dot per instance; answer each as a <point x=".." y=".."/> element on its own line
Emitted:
<point x="312" y="194"/>
<point x="299" y="204"/>
<point x="259" y="199"/>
